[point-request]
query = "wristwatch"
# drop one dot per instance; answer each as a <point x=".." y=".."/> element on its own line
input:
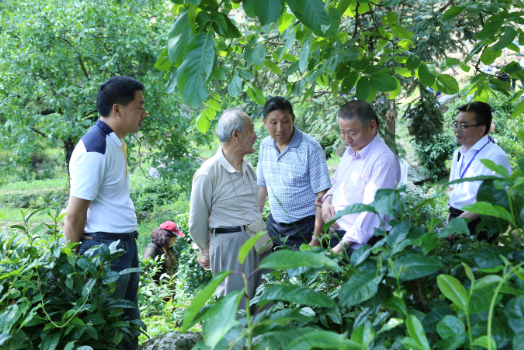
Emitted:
<point x="345" y="243"/>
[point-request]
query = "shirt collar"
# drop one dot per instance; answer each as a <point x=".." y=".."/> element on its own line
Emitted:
<point x="480" y="143"/>
<point x="295" y="139"/>
<point x="365" y="151"/>
<point x="109" y="132"/>
<point x="225" y="164"/>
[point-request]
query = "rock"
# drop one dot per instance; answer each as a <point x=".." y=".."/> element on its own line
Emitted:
<point x="445" y="101"/>
<point x="417" y="173"/>
<point x="172" y="341"/>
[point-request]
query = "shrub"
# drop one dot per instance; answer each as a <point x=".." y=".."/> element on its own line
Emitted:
<point x="411" y="290"/>
<point x="154" y="192"/>
<point x="53" y="299"/>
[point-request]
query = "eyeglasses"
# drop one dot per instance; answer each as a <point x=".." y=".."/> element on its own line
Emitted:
<point x="461" y="127"/>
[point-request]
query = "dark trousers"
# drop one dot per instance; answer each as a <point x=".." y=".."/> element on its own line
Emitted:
<point x="127" y="284"/>
<point x="472" y="226"/>
<point x="298" y="233"/>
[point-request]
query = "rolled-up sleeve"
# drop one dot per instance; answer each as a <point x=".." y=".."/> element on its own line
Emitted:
<point x="383" y="175"/>
<point x="261" y="180"/>
<point x="200" y="206"/>
<point x="318" y="170"/>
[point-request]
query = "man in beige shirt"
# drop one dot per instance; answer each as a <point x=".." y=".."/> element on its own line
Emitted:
<point x="224" y="199"/>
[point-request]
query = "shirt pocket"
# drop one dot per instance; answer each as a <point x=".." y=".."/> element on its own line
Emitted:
<point x="354" y="188"/>
<point x="295" y="174"/>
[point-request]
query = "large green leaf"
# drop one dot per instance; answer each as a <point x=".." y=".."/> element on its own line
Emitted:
<point x="489" y="209"/>
<point x="267" y="11"/>
<point x="386" y="202"/>
<point x="255" y="94"/>
<point x="361" y="254"/>
<point x="515" y="313"/>
<point x="312" y="13"/>
<point x="453" y="290"/>
<point x="255" y="55"/>
<point x="335" y="18"/>
<point x="416" y="266"/>
<point x="401" y="32"/>
<point x="509" y="35"/>
<point x="450" y="326"/>
<point x="448" y="63"/>
<point x="397" y="304"/>
<point x="491" y="27"/>
<point x="201" y="298"/>
<point x="452" y="12"/>
<point x="427" y="74"/>
<point x="456" y="226"/>
<point x="284" y="259"/>
<point x="447" y="84"/>
<point x="518" y="341"/>
<point x="178" y="38"/>
<point x="273" y="67"/>
<point x="498" y="169"/>
<point x="412" y="63"/>
<point x="50" y="341"/>
<point x="297" y="294"/>
<point x="361" y="286"/>
<point x="349" y="81"/>
<point x="383" y="82"/>
<point x="398" y="233"/>
<point x="196" y="68"/>
<point x="304" y="53"/>
<point x="248" y="245"/>
<point x="221" y="317"/>
<point x="234" y="88"/>
<point x="363" y="88"/>
<point x="416" y="332"/>
<point x="163" y="63"/>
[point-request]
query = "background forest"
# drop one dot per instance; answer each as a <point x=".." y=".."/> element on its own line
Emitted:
<point x="199" y="57"/>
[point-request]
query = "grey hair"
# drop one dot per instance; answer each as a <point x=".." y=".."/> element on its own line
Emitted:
<point x="232" y="119"/>
<point x="360" y="110"/>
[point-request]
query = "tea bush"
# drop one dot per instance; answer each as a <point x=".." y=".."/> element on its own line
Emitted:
<point x="411" y="290"/>
<point x="53" y="299"/>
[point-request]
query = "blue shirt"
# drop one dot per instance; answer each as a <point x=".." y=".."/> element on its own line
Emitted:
<point x="292" y="177"/>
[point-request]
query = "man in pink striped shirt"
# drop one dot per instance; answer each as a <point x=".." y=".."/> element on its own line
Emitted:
<point x="367" y="165"/>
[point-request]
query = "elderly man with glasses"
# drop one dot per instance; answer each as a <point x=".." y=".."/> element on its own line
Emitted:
<point x="224" y="211"/>
<point x="471" y="128"/>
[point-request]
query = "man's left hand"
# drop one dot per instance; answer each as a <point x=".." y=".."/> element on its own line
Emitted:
<point x="339" y="248"/>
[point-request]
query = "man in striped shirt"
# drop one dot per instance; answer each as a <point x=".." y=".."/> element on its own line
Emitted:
<point x="367" y="165"/>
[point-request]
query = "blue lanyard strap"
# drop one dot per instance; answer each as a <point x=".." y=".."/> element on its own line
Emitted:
<point x="471" y="161"/>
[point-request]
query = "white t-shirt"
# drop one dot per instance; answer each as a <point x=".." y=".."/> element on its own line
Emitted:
<point x="98" y="173"/>
<point x="466" y="192"/>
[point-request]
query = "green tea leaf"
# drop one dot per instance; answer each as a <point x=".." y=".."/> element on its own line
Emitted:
<point x="453" y="290"/>
<point x="416" y="266"/>
<point x="284" y="259"/>
<point x="416" y="332"/>
<point x="248" y="245"/>
<point x="450" y="326"/>
<point x="201" y="298"/>
<point x="221" y="317"/>
<point x="361" y="286"/>
<point x="51" y="340"/>
<point x="456" y="226"/>
<point x="489" y="209"/>
<point x="483" y="342"/>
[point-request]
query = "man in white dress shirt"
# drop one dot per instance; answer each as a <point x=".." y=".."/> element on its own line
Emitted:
<point x="471" y="131"/>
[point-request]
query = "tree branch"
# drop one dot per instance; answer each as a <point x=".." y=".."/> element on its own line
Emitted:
<point x="78" y="55"/>
<point x="39" y="132"/>
<point x="443" y="8"/>
<point x="47" y="112"/>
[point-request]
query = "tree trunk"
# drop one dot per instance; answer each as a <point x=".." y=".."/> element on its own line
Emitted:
<point x="389" y="129"/>
<point x="69" y="146"/>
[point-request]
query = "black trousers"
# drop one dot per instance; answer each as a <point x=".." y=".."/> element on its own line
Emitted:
<point x="298" y="233"/>
<point x="483" y="235"/>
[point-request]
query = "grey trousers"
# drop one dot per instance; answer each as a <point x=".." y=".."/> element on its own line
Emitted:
<point x="223" y="256"/>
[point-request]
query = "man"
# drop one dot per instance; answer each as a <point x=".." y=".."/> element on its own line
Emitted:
<point x="367" y="165"/>
<point x="292" y="169"/>
<point x="100" y="209"/>
<point x="224" y="200"/>
<point x="471" y="127"/>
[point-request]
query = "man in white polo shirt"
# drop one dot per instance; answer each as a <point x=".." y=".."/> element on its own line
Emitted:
<point x="100" y="209"/>
<point x="471" y="131"/>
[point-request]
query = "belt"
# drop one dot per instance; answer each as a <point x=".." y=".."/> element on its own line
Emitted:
<point x="455" y="211"/>
<point x="229" y="229"/>
<point x="301" y="221"/>
<point x="124" y="237"/>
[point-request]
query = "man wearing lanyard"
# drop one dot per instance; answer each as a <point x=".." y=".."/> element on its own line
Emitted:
<point x="471" y="131"/>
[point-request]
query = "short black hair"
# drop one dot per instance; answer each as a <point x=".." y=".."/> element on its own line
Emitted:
<point x="360" y="110"/>
<point x="114" y="90"/>
<point x="483" y="115"/>
<point x="277" y="103"/>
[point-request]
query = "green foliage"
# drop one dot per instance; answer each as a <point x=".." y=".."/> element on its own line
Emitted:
<point x="151" y="193"/>
<point x="415" y="291"/>
<point x="53" y="299"/>
<point x="432" y="142"/>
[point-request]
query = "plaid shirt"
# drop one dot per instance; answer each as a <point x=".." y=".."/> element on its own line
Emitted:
<point x="292" y="177"/>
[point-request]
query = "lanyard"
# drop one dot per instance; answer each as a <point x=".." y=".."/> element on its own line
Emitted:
<point x="467" y="166"/>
